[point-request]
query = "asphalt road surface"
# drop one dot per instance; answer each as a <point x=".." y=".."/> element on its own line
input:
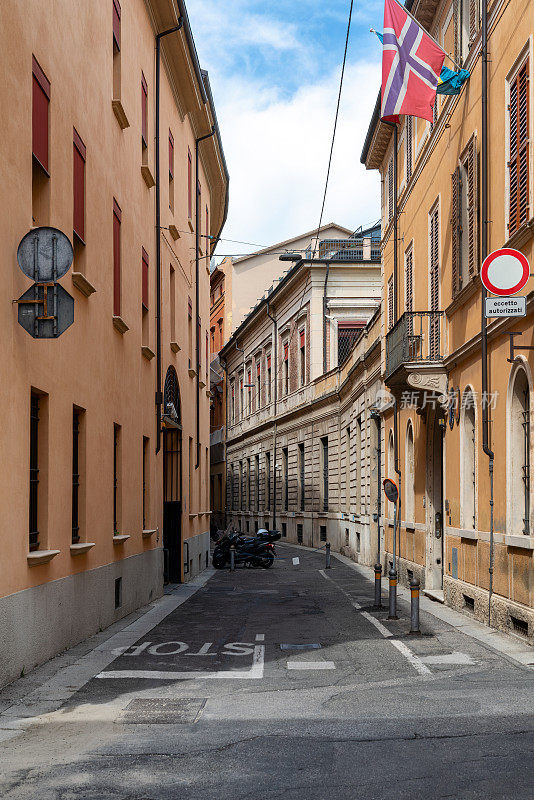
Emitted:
<point x="284" y="683"/>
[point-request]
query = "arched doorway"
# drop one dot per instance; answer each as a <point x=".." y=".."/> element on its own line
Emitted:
<point x="172" y="478"/>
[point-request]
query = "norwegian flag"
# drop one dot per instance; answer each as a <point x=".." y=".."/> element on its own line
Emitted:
<point x="411" y="64"/>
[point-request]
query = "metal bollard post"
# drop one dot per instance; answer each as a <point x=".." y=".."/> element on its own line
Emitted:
<point x="414" y="616"/>
<point x="378" y="586"/>
<point x="232" y="557"/>
<point x="392" y="594"/>
<point x="327" y="552"/>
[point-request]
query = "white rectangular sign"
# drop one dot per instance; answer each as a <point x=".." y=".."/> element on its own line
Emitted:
<point x="505" y="307"/>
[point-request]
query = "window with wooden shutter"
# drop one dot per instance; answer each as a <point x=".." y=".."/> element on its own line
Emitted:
<point x="518" y="165"/>
<point x="116" y="24"/>
<point x="474" y="19"/>
<point x="144" y="111"/>
<point x="40" y="104"/>
<point x="408" y="279"/>
<point x="144" y="278"/>
<point x="456" y="252"/>
<point x="171" y="156"/>
<point x="471" y="164"/>
<point x="390" y="302"/>
<point x="409" y="147"/>
<point x="434" y="325"/>
<point x="78" y="180"/>
<point x="390" y="191"/>
<point x="117" y="217"/>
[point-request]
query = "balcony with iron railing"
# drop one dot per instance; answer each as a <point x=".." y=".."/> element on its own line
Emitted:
<point x="415" y="344"/>
<point x="352" y="249"/>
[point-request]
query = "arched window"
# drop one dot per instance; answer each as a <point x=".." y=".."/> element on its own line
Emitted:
<point x="409" y="472"/>
<point x="468" y="491"/>
<point x="519" y="485"/>
<point x="171" y="396"/>
<point x="391" y="468"/>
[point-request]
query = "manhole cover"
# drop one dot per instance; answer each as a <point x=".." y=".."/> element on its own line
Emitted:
<point x="163" y="712"/>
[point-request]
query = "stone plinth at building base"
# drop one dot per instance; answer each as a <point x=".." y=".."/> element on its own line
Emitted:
<point x="506" y="615"/>
<point x="406" y="570"/>
<point x="196" y="554"/>
<point x="38" y="623"/>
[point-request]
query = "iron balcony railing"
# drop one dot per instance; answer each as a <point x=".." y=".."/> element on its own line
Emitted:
<point x="365" y="249"/>
<point x="416" y="337"/>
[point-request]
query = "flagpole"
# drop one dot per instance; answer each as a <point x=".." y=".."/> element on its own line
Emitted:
<point x="458" y="67"/>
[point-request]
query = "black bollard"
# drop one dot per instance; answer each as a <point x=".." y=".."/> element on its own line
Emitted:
<point x="378" y="586"/>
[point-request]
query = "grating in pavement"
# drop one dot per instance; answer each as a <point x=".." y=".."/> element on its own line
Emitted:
<point x="163" y="712"/>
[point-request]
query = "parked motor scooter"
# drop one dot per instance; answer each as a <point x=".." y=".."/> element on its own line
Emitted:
<point x="252" y="552"/>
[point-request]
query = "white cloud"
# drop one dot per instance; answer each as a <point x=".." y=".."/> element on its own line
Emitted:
<point x="277" y="152"/>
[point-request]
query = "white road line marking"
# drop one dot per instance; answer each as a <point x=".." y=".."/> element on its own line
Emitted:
<point x="414" y="660"/>
<point x="449" y="658"/>
<point x="311" y="665"/>
<point x="383" y="630"/>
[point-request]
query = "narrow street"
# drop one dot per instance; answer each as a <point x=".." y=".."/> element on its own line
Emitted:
<point x="270" y="684"/>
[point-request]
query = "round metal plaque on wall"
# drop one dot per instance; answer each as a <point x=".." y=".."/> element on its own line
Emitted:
<point x="45" y="254"/>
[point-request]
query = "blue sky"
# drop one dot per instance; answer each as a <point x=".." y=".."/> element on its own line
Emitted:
<point x="274" y="70"/>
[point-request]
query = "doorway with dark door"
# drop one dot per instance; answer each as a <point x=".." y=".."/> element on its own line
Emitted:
<point x="436" y="527"/>
<point x="172" y="479"/>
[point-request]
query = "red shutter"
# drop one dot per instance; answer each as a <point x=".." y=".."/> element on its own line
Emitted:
<point x="144" y="110"/>
<point x="117" y="216"/>
<point x="302" y="339"/>
<point x="79" y="151"/>
<point x="189" y="308"/>
<point x="268" y="362"/>
<point x="117" y="24"/>
<point x="286" y="348"/>
<point x="171" y="156"/>
<point x="41" y="99"/>
<point x="258" y="369"/>
<point x="189" y="184"/>
<point x="144" y="277"/>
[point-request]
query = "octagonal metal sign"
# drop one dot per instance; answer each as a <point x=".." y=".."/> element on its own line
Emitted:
<point x="46" y="310"/>
<point x="45" y="254"/>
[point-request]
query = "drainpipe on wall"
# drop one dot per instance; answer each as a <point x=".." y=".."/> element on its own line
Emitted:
<point x="159" y="393"/>
<point x="484" y="252"/>
<point x="197" y="267"/>
<point x="224" y="365"/>
<point x="275" y="332"/>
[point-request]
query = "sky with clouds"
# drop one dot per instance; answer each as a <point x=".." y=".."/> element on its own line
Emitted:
<point x="274" y="69"/>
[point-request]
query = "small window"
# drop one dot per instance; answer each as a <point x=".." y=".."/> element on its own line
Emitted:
<point x="145" y="488"/>
<point x="40" y="105"/>
<point x="299" y="533"/>
<point x="79" y="153"/>
<point x="116" y="25"/>
<point x="116" y="479"/>
<point x="144" y="278"/>
<point x="285" y="373"/>
<point x="117" y="218"/>
<point x="347" y="335"/>
<point x="34" y="473"/>
<point x="118" y="592"/>
<point x="322" y="533"/>
<point x="302" y="357"/>
<point x="76" y="476"/>
<point x="144" y="112"/>
<point x="284" y="530"/>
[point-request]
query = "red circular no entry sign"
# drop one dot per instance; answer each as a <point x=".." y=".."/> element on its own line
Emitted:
<point x="505" y="271"/>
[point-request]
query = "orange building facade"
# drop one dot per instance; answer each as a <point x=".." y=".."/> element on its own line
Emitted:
<point x="431" y="325"/>
<point x="105" y="489"/>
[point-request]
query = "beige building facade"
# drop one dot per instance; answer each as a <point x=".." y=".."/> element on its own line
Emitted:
<point x="303" y="452"/>
<point x="104" y="491"/>
<point x="470" y="542"/>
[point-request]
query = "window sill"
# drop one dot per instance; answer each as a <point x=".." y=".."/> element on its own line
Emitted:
<point x="521" y="236"/>
<point x="175" y="233"/>
<point x="147" y="352"/>
<point x="201" y="384"/>
<point x="467" y="534"/>
<point x="192" y="373"/>
<point x="175" y="347"/>
<point x="147" y="176"/>
<point x="120" y="538"/>
<point x="80" y="548"/>
<point x="120" y="325"/>
<point x="192" y="516"/>
<point x="82" y="284"/>
<point x="120" y="113"/>
<point x="525" y="542"/>
<point x="38" y="557"/>
<point x="148" y="533"/>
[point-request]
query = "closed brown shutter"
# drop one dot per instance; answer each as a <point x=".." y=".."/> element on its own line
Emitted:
<point x="473" y="19"/>
<point x="117" y="216"/>
<point x="472" y="206"/>
<point x="390" y="191"/>
<point x="519" y="150"/>
<point x="40" y="102"/>
<point x="434" y="284"/>
<point x="390" y="302"/>
<point x="171" y="156"/>
<point x="457" y="33"/>
<point x="78" y="176"/>
<point x="144" y="278"/>
<point x="455" y="225"/>
<point x="409" y="280"/>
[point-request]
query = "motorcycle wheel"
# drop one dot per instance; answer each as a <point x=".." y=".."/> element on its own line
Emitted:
<point x="267" y="560"/>
<point x="218" y="560"/>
